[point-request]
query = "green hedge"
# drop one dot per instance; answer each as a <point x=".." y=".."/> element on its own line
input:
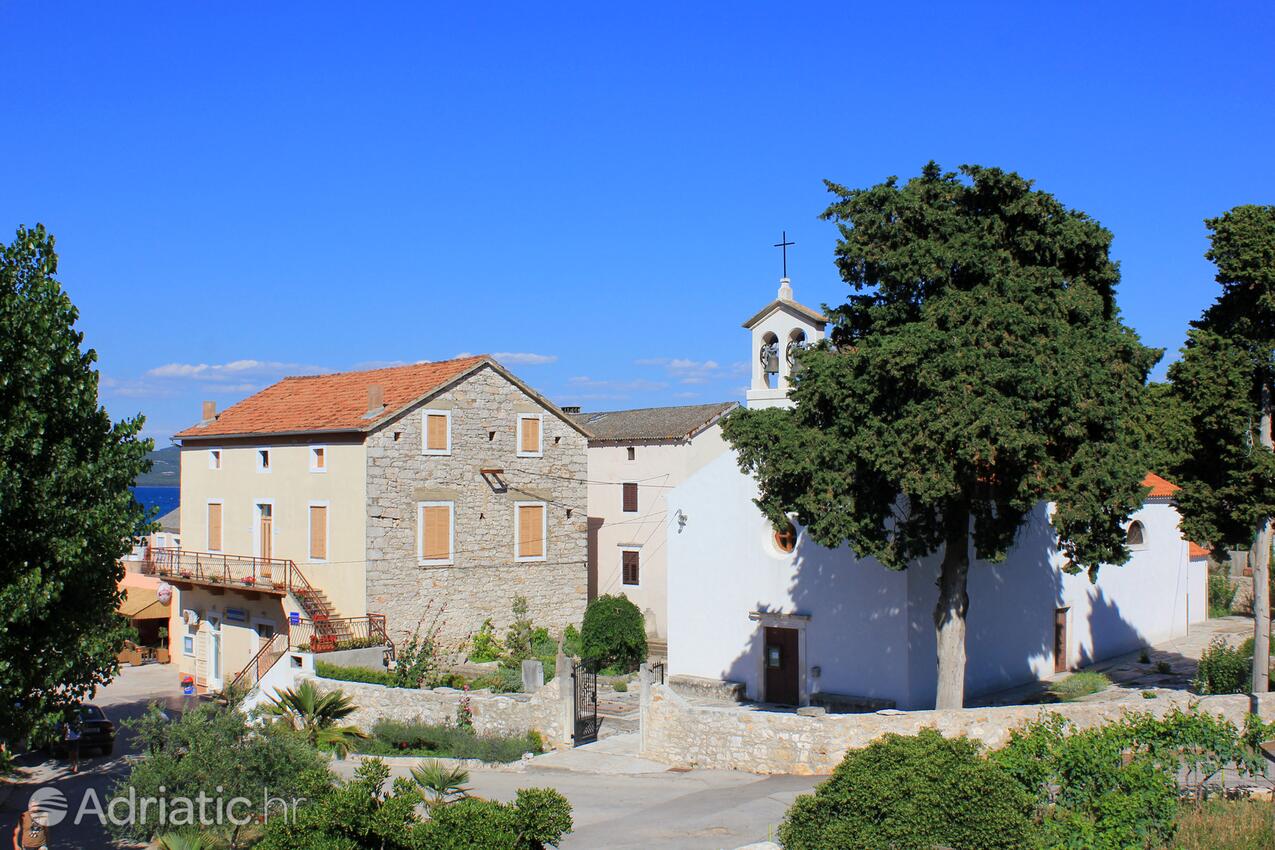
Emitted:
<point x="353" y="674"/>
<point x="399" y="738"/>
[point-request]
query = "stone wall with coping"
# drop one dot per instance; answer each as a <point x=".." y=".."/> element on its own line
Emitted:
<point x="493" y="714"/>
<point x="484" y="577"/>
<point x="682" y="734"/>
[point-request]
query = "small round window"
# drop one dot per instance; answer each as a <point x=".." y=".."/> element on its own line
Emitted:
<point x="786" y="538"/>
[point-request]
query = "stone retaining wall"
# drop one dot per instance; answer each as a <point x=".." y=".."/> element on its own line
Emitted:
<point x="494" y="714"/>
<point x="681" y="734"/>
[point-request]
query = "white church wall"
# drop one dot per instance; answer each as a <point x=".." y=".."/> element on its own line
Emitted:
<point x="1010" y="625"/>
<point x="871" y="630"/>
<point x="723" y="565"/>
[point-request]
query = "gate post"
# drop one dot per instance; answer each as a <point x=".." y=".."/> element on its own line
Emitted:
<point x="644" y="683"/>
<point x="566" y="694"/>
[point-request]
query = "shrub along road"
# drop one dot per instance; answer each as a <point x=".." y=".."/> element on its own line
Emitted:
<point x="621" y="801"/>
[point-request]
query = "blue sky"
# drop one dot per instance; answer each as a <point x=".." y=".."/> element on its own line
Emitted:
<point x="245" y="191"/>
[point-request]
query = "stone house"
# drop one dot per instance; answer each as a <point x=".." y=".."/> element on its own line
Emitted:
<point x="433" y="490"/>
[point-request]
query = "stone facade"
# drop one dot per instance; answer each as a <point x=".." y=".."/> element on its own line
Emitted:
<point x="493" y="714"/>
<point x="484" y="578"/>
<point x="681" y="734"/>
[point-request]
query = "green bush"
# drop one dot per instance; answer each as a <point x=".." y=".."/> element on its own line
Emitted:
<point x="360" y="813"/>
<point x="614" y="633"/>
<point x="1224" y="669"/>
<point x="1221" y="594"/>
<point x="353" y="674"/>
<point x="912" y="793"/>
<point x="571" y="643"/>
<point x="410" y="738"/>
<point x="486" y="646"/>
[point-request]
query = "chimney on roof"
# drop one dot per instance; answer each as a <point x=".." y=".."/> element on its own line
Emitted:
<point x="571" y="408"/>
<point x="210" y="411"/>
<point x="375" y="398"/>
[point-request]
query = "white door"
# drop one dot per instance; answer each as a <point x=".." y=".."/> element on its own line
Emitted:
<point x="214" y="652"/>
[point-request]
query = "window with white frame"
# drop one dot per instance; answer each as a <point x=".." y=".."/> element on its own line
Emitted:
<point x="435" y="533"/>
<point x="263" y="460"/>
<point x="214" y="458"/>
<point x="630" y="566"/>
<point x="436" y="432"/>
<point x="531" y="530"/>
<point x="318" y="458"/>
<point x="213" y="543"/>
<point x="530" y="438"/>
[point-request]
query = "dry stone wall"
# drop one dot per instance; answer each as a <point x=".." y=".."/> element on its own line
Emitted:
<point x="681" y="734"/>
<point x="484" y="578"/>
<point x="493" y="714"/>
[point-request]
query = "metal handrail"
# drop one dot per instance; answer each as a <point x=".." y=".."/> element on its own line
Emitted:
<point x="268" y="648"/>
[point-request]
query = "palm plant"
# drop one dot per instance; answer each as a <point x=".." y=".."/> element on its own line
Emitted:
<point x="439" y="783"/>
<point x="317" y="716"/>
<point x="180" y="841"/>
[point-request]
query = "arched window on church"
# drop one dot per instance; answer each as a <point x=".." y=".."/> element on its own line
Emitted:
<point x="769" y="356"/>
<point x="1137" y="535"/>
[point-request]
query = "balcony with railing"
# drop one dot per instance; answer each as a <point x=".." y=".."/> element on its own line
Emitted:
<point x="220" y="570"/>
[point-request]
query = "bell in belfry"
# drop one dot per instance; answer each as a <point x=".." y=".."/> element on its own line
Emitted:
<point x="770" y="357"/>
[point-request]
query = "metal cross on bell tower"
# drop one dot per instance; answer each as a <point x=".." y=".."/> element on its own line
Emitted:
<point x="783" y="246"/>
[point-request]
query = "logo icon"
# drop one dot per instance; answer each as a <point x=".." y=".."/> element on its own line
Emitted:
<point x="52" y="802"/>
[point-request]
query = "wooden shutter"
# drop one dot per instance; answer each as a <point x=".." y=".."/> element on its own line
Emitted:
<point x="630" y="498"/>
<point x="629" y="562"/>
<point x="214" y="527"/>
<point x="530" y="435"/>
<point x="319" y="532"/>
<point x="436" y="533"/>
<point x="531" y="531"/>
<point x="436" y="432"/>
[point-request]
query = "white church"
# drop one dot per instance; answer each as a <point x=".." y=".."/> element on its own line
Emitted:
<point x="797" y="624"/>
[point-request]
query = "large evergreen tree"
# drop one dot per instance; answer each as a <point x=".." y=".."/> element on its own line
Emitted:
<point x="66" y="513"/>
<point x="979" y="367"/>
<point x="1224" y="380"/>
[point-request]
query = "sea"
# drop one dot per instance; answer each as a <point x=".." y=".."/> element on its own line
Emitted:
<point x="163" y="498"/>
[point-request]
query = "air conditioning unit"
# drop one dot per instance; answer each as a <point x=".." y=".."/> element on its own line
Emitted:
<point x="189" y="617"/>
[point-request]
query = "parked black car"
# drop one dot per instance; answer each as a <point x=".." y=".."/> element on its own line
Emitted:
<point x="97" y="732"/>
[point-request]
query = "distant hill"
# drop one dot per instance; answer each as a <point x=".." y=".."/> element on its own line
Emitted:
<point x="165" y="469"/>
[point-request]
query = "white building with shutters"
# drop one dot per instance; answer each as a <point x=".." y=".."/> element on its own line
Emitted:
<point x="796" y="623"/>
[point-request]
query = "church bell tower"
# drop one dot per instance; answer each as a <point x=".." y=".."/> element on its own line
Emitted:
<point x="779" y="330"/>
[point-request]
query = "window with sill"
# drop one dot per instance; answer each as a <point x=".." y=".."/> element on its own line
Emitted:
<point x="318" y="459"/>
<point x="630" y="567"/>
<point x="530" y="438"/>
<point x="630" y="497"/>
<point x="437" y="432"/>
<point x="436" y="533"/>
<point x="530" y="531"/>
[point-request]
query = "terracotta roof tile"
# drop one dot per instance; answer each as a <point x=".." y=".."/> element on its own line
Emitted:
<point x="1160" y="488"/>
<point x="1197" y="551"/>
<point x="336" y="402"/>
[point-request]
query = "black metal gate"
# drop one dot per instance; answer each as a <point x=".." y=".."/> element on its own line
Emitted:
<point x="584" y="678"/>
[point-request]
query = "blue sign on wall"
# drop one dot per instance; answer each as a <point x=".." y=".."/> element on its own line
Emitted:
<point x="236" y="615"/>
<point x="294" y="618"/>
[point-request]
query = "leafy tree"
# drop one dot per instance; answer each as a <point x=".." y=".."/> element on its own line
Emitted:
<point x="318" y="716"/>
<point x="214" y="750"/>
<point x="979" y="368"/>
<point x="1165" y="431"/>
<point x="1224" y="379"/>
<point x="66" y="514"/>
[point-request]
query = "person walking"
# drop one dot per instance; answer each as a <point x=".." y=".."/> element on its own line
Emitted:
<point x="71" y="737"/>
<point x="32" y="831"/>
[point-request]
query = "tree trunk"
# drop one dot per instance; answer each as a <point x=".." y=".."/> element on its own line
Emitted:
<point x="949" y="613"/>
<point x="1261" y="574"/>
